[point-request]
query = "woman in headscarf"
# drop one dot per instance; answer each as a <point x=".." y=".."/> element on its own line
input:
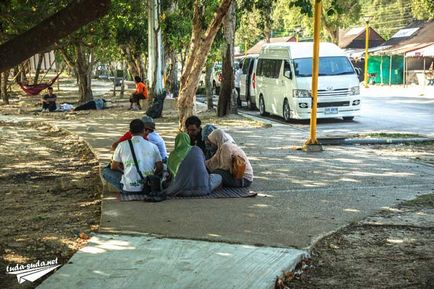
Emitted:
<point x="209" y="149"/>
<point x="186" y="165"/>
<point x="221" y="162"/>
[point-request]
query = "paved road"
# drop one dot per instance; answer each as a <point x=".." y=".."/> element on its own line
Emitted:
<point x="383" y="110"/>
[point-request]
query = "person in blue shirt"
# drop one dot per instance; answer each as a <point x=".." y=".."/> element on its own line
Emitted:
<point x="154" y="137"/>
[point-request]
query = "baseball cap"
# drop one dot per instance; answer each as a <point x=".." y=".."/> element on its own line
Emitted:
<point x="148" y="121"/>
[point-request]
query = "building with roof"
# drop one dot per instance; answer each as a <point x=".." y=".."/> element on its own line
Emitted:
<point x="355" y="38"/>
<point x="406" y="56"/>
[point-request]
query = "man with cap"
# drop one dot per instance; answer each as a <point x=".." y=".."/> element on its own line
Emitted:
<point x="150" y="135"/>
<point x="133" y="161"/>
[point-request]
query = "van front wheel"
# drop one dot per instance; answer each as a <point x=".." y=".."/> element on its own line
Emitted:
<point x="262" y="106"/>
<point x="286" y="111"/>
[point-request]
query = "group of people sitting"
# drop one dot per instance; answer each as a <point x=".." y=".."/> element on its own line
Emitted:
<point x="202" y="160"/>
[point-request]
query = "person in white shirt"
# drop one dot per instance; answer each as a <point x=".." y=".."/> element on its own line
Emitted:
<point x="238" y="82"/>
<point x="123" y="172"/>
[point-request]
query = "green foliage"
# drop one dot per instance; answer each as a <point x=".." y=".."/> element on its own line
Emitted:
<point x="305" y="6"/>
<point x="423" y="9"/>
<point x="336" y="14"/>
<point x="388" y="16"/>
<point x="176" y="24"/>
<point x="127" y="20"/>
<point x="263" y="8"/>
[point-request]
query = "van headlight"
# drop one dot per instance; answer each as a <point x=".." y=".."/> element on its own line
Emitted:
<point x="301" y="93"/>
<point x="355" y="90"/>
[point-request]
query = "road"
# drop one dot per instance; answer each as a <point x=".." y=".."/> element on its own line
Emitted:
<point x="383" y="110"/>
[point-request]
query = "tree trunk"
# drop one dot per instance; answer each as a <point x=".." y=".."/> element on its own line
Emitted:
<point x="138" y="59"/>
<point x="4" y="85"/>
<point x="77" y="14"/>
<point x="200" y="46"/>
<point x="123" y="80"/>
<point x="38" y="67"/>
<point x="83" y="69"/>
<point x="208" y="85"/>
<point x="132" y="67"/>
<point x="227" y="86"/>
<point x="331" y="31"/>
<point x="224" y="104"/>
<point x="155" y="49"/>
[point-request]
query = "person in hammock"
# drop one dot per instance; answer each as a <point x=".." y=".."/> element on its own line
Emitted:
<point x="186" y="165"/>
<point x="49" y="100"/>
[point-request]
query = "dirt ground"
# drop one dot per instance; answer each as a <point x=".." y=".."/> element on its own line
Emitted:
<point x="392" y="249"/>
<point x="49" y="196"/>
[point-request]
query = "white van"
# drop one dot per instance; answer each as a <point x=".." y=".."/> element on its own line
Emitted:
<point x="284" y="82"/>
<point x="248" y="80"/>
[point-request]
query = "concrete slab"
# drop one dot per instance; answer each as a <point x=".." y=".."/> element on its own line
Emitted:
<point x="111" y="261"/>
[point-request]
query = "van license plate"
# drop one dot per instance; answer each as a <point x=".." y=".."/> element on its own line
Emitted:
<point x="331" y="110"/>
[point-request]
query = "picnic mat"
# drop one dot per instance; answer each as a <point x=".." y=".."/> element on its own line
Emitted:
<point x="219" y="194"/>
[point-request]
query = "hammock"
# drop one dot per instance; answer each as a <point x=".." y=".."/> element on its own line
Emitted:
<point x="35" y="89"/>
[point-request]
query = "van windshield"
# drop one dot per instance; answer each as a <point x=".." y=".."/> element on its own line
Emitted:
<point x="335" y="65"/>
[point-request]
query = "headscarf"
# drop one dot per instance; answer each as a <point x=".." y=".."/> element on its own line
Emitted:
<point x="182" y="148"/>
<point x="218" y="137"/>
<point x="207" y="129"/>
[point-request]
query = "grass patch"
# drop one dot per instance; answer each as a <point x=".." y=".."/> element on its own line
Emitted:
<point x="422" y="144"/>
<point x="388" y="135"/>
<point x="422" y="201"/>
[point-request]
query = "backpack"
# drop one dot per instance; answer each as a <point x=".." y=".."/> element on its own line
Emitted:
<point x="238" y="167"/>
<point x="156" y="107"/>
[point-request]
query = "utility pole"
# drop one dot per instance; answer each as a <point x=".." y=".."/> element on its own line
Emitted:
<point x="366" y="76"/>
<point x="312" y="144"/>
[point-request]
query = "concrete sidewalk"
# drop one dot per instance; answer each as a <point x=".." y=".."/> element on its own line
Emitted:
<point x="301" y="197"/>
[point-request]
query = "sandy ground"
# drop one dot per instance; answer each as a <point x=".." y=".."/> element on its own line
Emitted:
<point x="392" y="249"/>
<point x="49" y="196"/>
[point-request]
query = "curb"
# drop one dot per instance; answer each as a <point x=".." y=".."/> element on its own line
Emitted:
<point x="269" y="123"/>
<point x="372" y="141"/>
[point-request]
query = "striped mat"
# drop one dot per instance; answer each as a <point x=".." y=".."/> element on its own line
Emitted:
<point x="219" y="194"/>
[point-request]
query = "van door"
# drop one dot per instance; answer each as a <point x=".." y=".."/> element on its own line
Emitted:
<point x="267" y="72"/>
<point x="243" y="80"/>
<point x="287" y="76"/>
<point x="277" y="87"/>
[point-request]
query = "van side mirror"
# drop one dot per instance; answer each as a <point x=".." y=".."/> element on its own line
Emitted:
<point x="288" y="74"/>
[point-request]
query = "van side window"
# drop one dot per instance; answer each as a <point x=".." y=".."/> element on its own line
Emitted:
<point x="276" y="65"/>
<point x="245" y="65"/>
<point x="269" y="68"/>
<point x="259" y="68"/>
<point x="286" y="67"/>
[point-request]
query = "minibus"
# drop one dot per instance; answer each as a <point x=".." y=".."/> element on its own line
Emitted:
<point x="284" y="82"/>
